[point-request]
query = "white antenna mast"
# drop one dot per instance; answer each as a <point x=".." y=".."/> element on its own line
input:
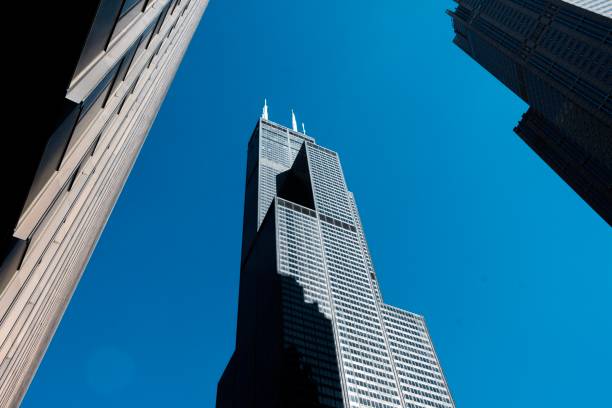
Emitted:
<point x="293" y="121"/>
<point x="264" y="113"/>
<point x="303" y="128"/>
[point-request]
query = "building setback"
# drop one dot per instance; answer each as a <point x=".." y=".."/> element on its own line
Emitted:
<point x="557" y="56"/>
<point x="101" y="71"/>
<point x="312" y="329"/>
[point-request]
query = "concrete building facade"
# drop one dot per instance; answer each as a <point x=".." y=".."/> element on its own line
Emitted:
<point x="109" y="66"/>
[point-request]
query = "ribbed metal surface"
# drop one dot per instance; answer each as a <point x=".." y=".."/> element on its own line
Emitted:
<point x="64" y="225"/>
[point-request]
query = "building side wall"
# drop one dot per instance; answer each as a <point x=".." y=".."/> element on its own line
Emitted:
<point x="63" y="222"/>
<point x="558" y="58"/>
<point x="592" y="182"/>
<point x="422" y="381"/>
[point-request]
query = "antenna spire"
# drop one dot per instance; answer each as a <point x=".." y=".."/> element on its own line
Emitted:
<point x="303" y="128"/>
<point x="293" y="121"/>
<point x="264" y="113"/>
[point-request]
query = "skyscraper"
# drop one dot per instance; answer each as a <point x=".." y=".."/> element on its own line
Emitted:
<point x="557" y="56"/>
<point x="313" y="330"/>
<point x="101" y="69"/>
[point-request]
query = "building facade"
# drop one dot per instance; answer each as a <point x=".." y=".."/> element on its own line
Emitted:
<point x="102" y="69"/>
<point x="557" y="56"/>
<point x="313" y="330"/>
<point x="603" y="7"/>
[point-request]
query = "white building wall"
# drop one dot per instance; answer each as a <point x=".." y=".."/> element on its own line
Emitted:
<point x="64" y="221"/>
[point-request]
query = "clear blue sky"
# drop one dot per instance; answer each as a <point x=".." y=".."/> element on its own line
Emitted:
<point x="467" y="226"/>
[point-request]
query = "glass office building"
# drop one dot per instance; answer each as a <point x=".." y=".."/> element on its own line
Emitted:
<point x="556" y="55"/>
<point x="313" y="330"/>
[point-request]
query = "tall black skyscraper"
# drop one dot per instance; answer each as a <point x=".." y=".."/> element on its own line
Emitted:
<point x="558" y="58"/>
<point x="313" y="330"/>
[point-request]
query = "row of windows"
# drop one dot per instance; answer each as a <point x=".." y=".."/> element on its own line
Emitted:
<point x="405" y="369"/>
<point x="296" y="207"/>
<point x="350" y="352"/>
<point x="436" y="390"/>
<point x="357" y="362"/>
<point x="266" y="190"/>
<point x="593" y="96"/>
<point x="410" y="345"/>
<point x="407" y="327"/>
<point x="420" y="392"/>
<point x="360" y="393"/>
<point x="367" y="342"/>
<point x="377" y="383"/>
<point x="308" y="332"/>
<point x="416" y="345"/>
<point x="365" y="249"/>
<point x="359" y="329"/>
<point x="346" y="265"/>
<point x="281" y="130"/>
<point x="578" y="53"/>
<point x="399" y="357"/>
<point x="356" y="348"/>
<point x="345" y="289"/>
<point x="400" y="320"/>
<point x="274" y="151"/>
<point x="595" y="29"/>
<point x="365" y="371"/>
<point x="426" y="402"/>
<point x="331" y="194"/>
<point x="358" y="320"/>
<point x="400" y="316"/>
<point x="407" y="333"/>
<point x="510" y="17"/>
<point x="408" y="353"/>
<point x="408" y="373"/>
<point x="301" y="255"/>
